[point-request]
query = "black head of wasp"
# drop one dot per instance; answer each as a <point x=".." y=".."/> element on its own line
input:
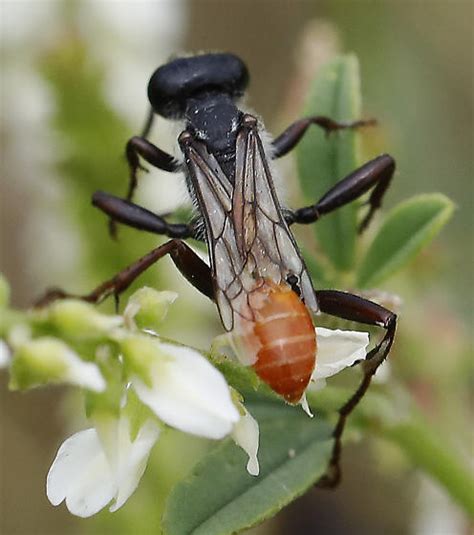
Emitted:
<point x="257" y="276"/>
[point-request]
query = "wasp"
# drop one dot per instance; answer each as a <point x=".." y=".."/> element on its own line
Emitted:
<point x="256" y="274"/>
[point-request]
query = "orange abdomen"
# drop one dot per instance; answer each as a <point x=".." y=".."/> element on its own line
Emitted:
<point x="284" y="340"/>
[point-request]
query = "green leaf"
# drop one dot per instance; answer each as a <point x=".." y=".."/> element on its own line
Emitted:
<point x="323" y="160"/>
<point x="409" y="227"/>
<point x="318" y="271"/>
<point x="429" y="452"/>
<point x="220" y="497"/>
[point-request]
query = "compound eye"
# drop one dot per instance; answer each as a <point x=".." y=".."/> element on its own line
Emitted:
<point x="293" y="281"/>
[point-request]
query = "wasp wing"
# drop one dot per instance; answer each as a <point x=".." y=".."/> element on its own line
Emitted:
<point x="248" y="238"/>
<point x="214" y="196"/>
<point x="263" y="237"/>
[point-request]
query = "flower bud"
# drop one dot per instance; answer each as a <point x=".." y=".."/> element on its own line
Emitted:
<point x="48" y="360"/>
<point x="77" y="319"/>
<point x="141" y="353"/>
<point x="147" y="308"/>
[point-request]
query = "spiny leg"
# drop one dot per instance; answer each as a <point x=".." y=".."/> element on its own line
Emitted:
<point x="139" y="146"/>
<point x="376" y="174"/>
<point x="195" y="270"/>
<point x="138" y="217"/>
<point x="293" y="134"/>
<point x="353" y="308"/>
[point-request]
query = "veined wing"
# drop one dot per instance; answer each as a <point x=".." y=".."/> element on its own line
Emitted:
<point x="262" y="234"/>
<point x="249" y="241"/>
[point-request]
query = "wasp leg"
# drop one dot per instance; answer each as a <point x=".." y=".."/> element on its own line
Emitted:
<point x="138" y="217"/>
<point x="287" y="140"/>
<point x="378" y="172"/>
<point x="351" y="307"/>
<point x="148" y="123"/>
<point x="195" y="270"/>
<point x="139" y="146"/>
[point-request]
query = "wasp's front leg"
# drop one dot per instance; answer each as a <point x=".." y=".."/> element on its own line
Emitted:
<point x="140" y="147"/>
<point x="293" y="134"/>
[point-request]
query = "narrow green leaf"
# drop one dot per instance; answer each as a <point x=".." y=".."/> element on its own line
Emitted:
<point x="220" y="497"/>
<point x="317" y="270"/>
<point x="429" y="452"/>
<point x="407" y="228"/>
<point x="323" y="160"/>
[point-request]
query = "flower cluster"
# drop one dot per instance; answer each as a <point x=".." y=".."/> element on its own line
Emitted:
<point x="135" y="385"/>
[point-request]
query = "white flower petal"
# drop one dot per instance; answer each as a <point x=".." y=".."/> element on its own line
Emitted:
<point x="246" y="435"/>
<point x="132" y="468"/>
<point x="317" y="384"/>
<point x="87" y="478"/>
<point x="5" y="355"/>
<point x="85" y="374"/>
<point x="94" y="491"/>
<point x="81" y="474"/>
<point x="188" y="393"/>
<point x="305" y="406"/>
<point x="337" y="350"/>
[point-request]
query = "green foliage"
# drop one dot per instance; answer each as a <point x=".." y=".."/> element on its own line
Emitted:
<point x="93" y="139"/>
<point x="323" y="160"/>
<point x="408" y="228"/>
<point x="432" y="454"/>
<point x="218" y="497"/>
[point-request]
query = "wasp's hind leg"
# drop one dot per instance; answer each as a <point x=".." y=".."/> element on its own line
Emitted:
<point x="376" y="174"/>
<point x="195" y="270"/>
<point x="287" y="140"/>
<point x="353" y="308"/>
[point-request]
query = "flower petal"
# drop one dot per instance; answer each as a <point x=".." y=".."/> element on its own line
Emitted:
<point x="5" y="355"/>
<point x="88" y="479"/>
<point x="337" y="350"/>
<point x="305" y="406"/>
<point x="131" y="468"/>
<point x="81" y="474"/>
<point x="85" y="374"/>
<point x="188" y="393"/>
<point x="246" y="435"/>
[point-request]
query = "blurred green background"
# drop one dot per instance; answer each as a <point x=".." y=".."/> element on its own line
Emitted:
<point x="73" y="90"/>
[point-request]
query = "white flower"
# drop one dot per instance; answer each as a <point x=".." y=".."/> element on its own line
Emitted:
<point x="246" y="435"/>
<point x="182" y="388"/>
<point x="337" y="350"/>
<point x="5" y="355"/>
<point x="98" y="465"/>
<point x="49" y="360"/>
